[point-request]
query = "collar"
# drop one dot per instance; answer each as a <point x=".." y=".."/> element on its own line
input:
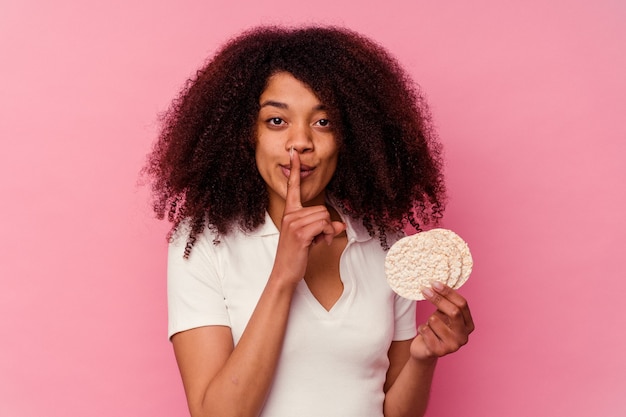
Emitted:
<point x="268" y="228"/>
<point x="354" y="228"/>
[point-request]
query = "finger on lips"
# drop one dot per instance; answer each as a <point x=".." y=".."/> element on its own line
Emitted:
<point x="293" y="200"/>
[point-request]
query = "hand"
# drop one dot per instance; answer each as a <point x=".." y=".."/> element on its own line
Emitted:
<point x="301" y="228"/>
<point x="447" y="329"/>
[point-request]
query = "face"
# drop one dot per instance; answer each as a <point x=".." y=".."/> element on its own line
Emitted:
<point x="291" y="115"/>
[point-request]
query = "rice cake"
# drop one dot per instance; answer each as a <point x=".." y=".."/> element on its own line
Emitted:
<point x="415" y="262"/>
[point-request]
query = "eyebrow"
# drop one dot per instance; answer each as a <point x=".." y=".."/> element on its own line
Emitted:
<point x="272" y="103"/>
<point x="280" y="105"/>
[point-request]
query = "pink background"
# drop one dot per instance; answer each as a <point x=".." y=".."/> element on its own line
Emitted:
<point x="529" y="97"/>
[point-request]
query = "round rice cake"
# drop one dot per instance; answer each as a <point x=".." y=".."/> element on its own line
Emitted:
<point x="415" y="262"/>
<point x="465" y="258"/>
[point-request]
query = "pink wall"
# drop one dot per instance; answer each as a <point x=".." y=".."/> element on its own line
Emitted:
<point x="529" y="97"/>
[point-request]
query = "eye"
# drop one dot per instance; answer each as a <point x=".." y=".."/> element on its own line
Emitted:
<point x="323" y="122"/>
<point x="275" y="121"/>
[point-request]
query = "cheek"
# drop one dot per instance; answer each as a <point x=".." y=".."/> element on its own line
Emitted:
<point x="258" y="159"/>
<point x="264" y="159"/>
<point x="332" y="169"/>
<point x="333" y="158"/>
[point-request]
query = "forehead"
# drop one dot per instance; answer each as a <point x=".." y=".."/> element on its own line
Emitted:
<point x="284" y="86"/>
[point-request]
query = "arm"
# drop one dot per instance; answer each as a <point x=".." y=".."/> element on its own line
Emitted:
<point x="412" y="363"/>
<point x="225" y="380"/>
<point x="222" y="380"/>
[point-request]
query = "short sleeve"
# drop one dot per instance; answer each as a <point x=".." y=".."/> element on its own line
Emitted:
<point x="194" y="292"/>
<point x="405" y="326"/>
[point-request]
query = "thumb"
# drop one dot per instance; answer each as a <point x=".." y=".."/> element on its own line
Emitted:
<point x="338" y="227"/>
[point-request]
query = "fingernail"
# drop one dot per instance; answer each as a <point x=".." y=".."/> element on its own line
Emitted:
<point x="438" y="285"/>
<point x="428" y="292"/>
<point x="291" y="153"/>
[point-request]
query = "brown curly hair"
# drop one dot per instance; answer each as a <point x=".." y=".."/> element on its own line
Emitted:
<point x="389" y="171"/>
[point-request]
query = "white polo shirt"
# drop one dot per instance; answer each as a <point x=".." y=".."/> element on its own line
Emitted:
<point x="333" y="362"/>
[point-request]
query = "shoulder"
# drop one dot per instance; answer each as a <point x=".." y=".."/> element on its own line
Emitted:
<point x="210" y="244"/>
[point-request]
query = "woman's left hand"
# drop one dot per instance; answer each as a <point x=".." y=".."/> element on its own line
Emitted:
<point x="447" y="329"/>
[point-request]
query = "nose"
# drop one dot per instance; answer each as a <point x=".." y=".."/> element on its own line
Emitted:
<point x="300" y="138"/>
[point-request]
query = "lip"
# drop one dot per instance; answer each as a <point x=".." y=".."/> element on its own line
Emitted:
<point x="305" y="170"/>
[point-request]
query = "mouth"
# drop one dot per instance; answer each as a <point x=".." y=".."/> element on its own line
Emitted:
<point x="305" y="170"/>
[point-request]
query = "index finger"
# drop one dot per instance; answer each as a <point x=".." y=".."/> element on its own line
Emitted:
<point x="451" y="303"/>
<point x="292" y="199"/>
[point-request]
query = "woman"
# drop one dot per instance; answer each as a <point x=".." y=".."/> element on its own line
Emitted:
<point x="288" y="165"/>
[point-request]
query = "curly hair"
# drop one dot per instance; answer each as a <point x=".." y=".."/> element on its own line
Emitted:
<point x="389" y="173"/>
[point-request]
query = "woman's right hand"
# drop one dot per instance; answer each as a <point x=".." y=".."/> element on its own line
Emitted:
<point x="301" y="227"/>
